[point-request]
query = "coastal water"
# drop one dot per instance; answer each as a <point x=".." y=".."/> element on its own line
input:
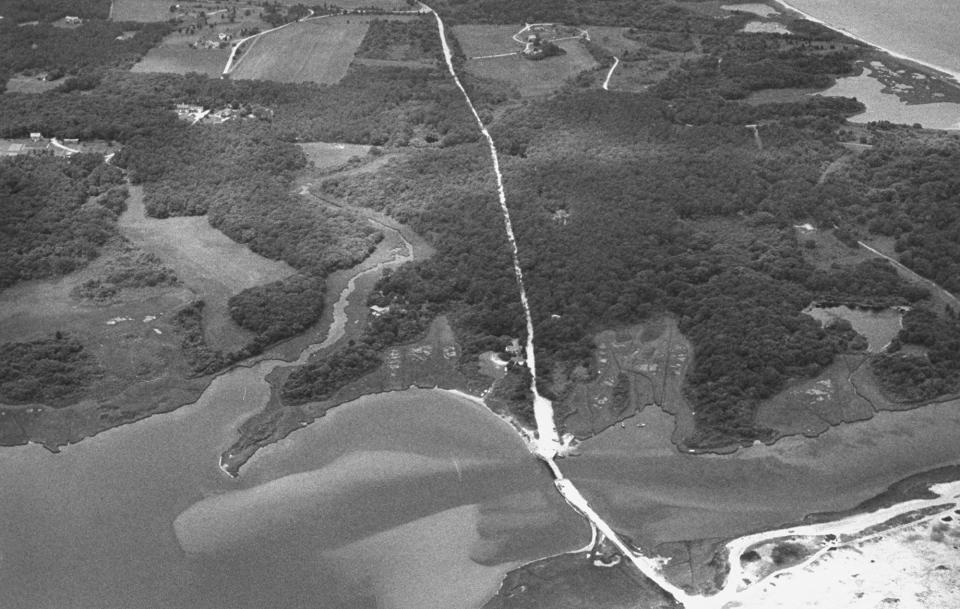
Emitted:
<point x="879" y="327"/>
<point x="141" y="516"/>
<point x="636" y="478"/>
<point x="925" y="30"/>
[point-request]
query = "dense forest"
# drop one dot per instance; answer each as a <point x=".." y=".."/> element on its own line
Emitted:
<point x="932" y="371"/>
<point x="625" y="205"/>
<point x="377" y="105"/>
<point x="51" y="371"/>
<point x="633" y="188"/>
<point x="912" y="192"/>
<point x="89" y="47"/>
<point x="49" y="229"/>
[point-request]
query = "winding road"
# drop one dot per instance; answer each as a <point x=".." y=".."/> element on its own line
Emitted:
<point x="606" y="81"/>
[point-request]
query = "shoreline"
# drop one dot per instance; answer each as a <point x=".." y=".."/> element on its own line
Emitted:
<point x="952" y="75"/>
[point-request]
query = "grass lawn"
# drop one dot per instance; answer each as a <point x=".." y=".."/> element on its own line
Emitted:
<point x="318" y="51"/>
<point x="534" y="78"/>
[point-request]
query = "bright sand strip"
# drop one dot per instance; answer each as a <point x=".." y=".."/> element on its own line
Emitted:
<point x="913" y="565"/>
<point x="951" y="73"/>
<point x="916" y="567"/>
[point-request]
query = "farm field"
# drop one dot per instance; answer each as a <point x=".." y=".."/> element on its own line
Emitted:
<point x="479" y="40"/>
<point x="535" y="78"/>
<point x="140" y="10"/>
<point x="207" y="261"/>
<point x="319" y="50"/>
<point x="182" y="59"/>
<point x="175" y="55"/>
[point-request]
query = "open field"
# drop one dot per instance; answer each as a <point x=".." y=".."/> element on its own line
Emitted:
<point x="479" y="40"/>
<point x="207" y="261"/>
<point x="141" y="10"/>
<point x="175" y="55"/>
<point x="638" y="75"/>
<point x="327" y="156"/>
<point x="30" y="84"/>
<point x="183" y="59"/>
<point x="534" y="78"/>
<point x="317" y="51"/>
<point x="613" y="39"/>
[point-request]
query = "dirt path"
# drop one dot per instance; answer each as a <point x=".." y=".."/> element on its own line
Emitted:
<point x="606" y="81"/>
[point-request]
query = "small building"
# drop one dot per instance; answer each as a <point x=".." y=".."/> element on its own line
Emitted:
<point x="73" y="20"/>
<point x="224" y="37"/>
<point x="36" y="136"/>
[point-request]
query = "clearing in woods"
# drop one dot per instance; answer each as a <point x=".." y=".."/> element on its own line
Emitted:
<point x="318" y="50"/>
<point x="530" y="77"/>
<point x="326" y="156"/>
<point x="208" y="262"/>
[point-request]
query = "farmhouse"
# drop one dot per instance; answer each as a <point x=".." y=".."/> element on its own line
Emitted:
<point x="188" y="112"/>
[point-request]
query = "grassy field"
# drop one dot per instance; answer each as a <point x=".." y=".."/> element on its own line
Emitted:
<point x="534" y="78"/>
<point x="30" y="84"/>
<point x="141" y="10"/>
<point x="613" y="39"/>
<point x="183" y="59"/>
<point x="317" y="51"/>
<point x="479" y="40"/>
<point x="207" y="261"/>
<point x="327" y="156"/>
<point x="175" y="55"/>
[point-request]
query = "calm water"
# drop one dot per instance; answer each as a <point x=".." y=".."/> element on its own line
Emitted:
<point x="641" y="485"/>
<point x="926" y="30"/>
<point x="879" y="327"/>
<point x="141" y="516"/>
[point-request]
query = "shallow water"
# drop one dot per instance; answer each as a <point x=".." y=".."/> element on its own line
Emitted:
<point x="635" y="478"/>
<point x="889" y="107"/>
<point x="879" y="327"/>
<point x="95" y="526"/>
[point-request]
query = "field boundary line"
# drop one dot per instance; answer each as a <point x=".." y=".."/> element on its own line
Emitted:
<point x="231" y="65"/>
